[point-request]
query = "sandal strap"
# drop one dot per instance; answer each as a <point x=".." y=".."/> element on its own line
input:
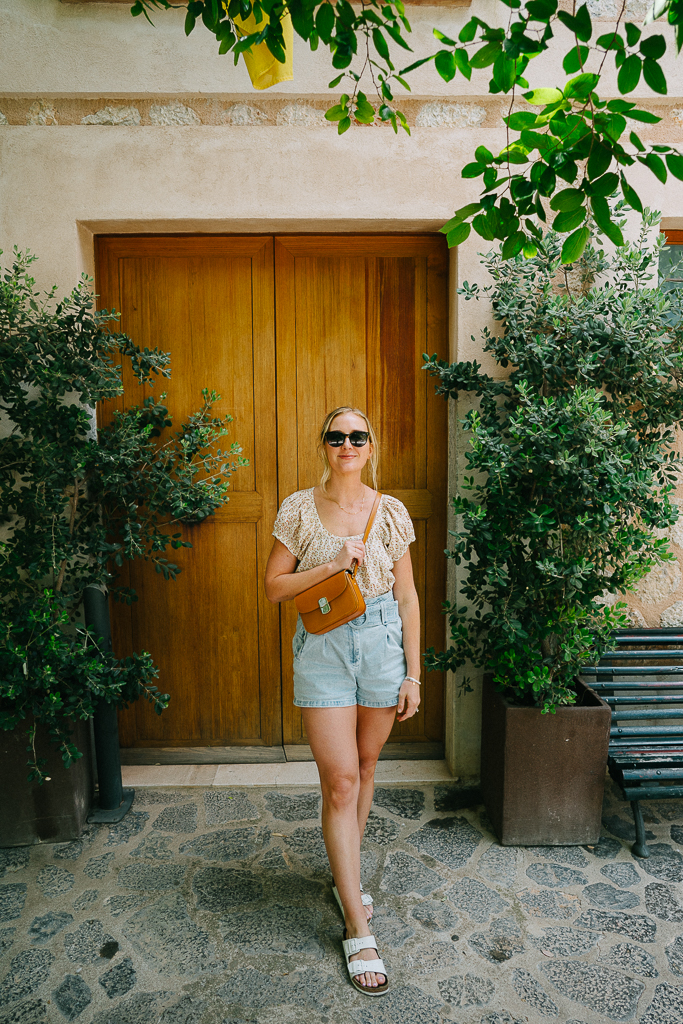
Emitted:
<point x="366" y="898"/>
<point x="361" y="966"/>
<point x="354" y="945"/>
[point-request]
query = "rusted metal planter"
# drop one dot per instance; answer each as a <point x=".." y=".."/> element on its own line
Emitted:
<point x="543" y="776"/>
<point x="55" y="812"/>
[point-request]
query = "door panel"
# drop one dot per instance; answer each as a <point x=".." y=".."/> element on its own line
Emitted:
<point x="353" y="317"/>
<point x="209" y="302"/>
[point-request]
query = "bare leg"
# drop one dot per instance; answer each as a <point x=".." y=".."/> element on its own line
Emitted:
<point x="332" y="735"/>
<point x="372" y="732"/>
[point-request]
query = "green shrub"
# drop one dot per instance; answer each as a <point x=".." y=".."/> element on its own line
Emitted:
<point x="75" y="504"/>
<point x="570" y="458"/>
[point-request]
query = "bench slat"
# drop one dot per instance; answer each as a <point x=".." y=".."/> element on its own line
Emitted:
<point x="647" y="730"/>
<point x="634" y="774"/>
<point x="652" y="792"/>
<point x="646" y="712"/>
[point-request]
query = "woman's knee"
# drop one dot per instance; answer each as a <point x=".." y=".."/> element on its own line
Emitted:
<point x="340" y="788"/>
<point x="366" y="768"/>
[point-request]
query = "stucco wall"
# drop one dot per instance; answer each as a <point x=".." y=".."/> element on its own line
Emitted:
<point x="110" y="125"/>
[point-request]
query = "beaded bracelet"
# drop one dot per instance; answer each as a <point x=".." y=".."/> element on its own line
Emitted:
<point x="412" y="680"/>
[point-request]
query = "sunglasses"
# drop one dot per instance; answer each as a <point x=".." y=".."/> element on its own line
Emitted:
<point x="335" y="438"/>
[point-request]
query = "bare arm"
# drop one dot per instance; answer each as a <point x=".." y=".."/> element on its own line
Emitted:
<point x="283" y="583"/>
<point x="409" y="610"/>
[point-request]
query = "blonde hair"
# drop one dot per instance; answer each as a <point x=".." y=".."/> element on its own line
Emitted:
<point x="373" y="461"/>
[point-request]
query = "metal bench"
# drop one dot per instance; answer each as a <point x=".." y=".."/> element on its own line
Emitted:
<point x="641" y="679"/>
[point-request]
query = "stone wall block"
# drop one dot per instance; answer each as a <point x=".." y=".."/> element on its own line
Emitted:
<point x="41" y="113"/>
<point x="239" y="114"/>
<point x="301" y="115"/>
<point x="660" y="582"/>
<point x="450" y="115"/>
<point x="174" y="113"/>
<point x="673" y="615"/>
<point x="114" y="115"/>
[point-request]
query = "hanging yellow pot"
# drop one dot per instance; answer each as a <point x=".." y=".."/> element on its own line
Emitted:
<point x="264" y="69"/>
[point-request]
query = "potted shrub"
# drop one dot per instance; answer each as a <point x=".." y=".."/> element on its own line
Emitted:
<point x="572" y="464"/>
<point x="74" y="504"/>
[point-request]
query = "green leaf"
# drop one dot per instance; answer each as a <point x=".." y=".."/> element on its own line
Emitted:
<point x="485" y="56"/>
<point x="629" y="74"/>
<point x="567" y="200"/>
<point x="442" y="38"/>
<point x="654" y="76"/>
<point x="601" y="213"/>
<point x="416" y="64"/>
<point x="335" y="82"/>
<point x="466" y="211"/>
<point x="472" y="170"/>
<point x="483" y="155"/>
<point x="643" y="115"/>
<point x="381" y="45"/>
<point x="336" y="113"/>
<point x="575" y="59"/>
<point x="513" y="245"/>
<point x="630" y="195"/>
<point x="504" y="72"/>
<point x="482" y="227"/>
<point x="653" y="47"/>
<point x="190" y="22"/>
<point x="569" y="220"/>
<point x="656" y="165"/>
<point x="445" y="65"/>
<point x="633" y="33"/>
<point x="605" y="185"/>
<point x="635" y="141"/>
<point x="574" y="245"/>
<point x="324" y="21"/>
<point x="458" y="235"/>
<point x="462" y="62"/>
<point x="468" y="31"/>
<point x="610" y="41"/>
<point x="581" y="86"/>
<point x="580" y="25"/>
<point x="599" y="160"/>
<point x="543" y="97"/>
<point x="344" y="125"/>
<point x="523" y="119"/>
<point x="364" y="112"/>
<point x="530" y="250"/>
<point x="674" y="161"/>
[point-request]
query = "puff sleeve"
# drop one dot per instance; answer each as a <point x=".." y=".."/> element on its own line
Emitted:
<point x="398" y="533"/>
<point x="290" y="527"/>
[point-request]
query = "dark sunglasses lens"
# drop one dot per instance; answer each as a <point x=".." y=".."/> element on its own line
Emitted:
<point x="335" y="438"/>
<point x="358" y="438"/>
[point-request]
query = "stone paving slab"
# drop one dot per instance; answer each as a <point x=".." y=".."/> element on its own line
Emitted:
<point x="213" y="906"/>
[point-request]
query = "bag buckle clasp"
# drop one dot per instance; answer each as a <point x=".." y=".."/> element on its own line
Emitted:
<point x="324" y="605"/>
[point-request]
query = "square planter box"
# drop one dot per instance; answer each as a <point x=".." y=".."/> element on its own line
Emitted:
<point x="55" y="812"/>
<point x="543" y="776"/>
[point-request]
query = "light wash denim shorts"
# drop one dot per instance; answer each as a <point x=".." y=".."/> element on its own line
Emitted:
<point x="361" y="662"/>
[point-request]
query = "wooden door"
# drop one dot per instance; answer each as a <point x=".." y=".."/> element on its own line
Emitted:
<point x="354" y="316"/>
<point x="209" y="302"/>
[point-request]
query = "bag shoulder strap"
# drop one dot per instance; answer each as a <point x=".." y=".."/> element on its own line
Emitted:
<point x="368" y="527"/>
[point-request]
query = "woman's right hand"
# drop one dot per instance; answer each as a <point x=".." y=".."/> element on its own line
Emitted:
<point x="351" y="549"/>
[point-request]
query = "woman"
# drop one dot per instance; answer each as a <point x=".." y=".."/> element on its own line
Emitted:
<point x="351" y="681"/>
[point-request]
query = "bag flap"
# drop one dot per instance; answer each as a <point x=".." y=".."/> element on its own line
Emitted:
<point x="330" y="588"/>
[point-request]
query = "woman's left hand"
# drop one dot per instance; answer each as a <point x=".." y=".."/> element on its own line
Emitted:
<point x="408" y="700"/>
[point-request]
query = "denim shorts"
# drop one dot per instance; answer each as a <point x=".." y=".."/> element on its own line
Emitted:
<point x="361" y="662"/>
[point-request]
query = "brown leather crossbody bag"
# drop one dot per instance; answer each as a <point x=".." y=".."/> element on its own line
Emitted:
<point x="337" y="599"/>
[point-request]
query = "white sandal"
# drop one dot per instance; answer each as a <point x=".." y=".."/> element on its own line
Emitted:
<point x="365" y="897"/>
<point x="356" y="967"/>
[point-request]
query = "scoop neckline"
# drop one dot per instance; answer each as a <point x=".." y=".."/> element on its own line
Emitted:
<point x="337" y="536"/>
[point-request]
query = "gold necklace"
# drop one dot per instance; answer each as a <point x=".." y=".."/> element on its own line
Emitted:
<point x="346" y="510"/>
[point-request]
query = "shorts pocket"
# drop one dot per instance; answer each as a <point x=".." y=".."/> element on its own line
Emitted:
<point x="299" y="642"/>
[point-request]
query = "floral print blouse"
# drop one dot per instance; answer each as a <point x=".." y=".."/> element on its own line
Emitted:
<point x="299" y="528"/>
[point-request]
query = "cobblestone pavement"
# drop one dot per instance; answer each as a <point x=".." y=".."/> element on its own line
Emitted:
<point x="213" y="906"/>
